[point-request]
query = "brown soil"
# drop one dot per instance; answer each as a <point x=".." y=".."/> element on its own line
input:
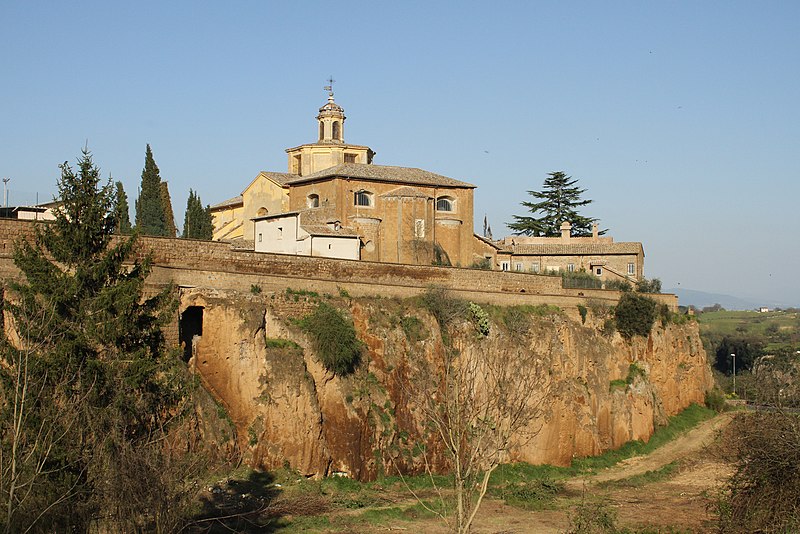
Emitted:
<point x="681" y="501"/>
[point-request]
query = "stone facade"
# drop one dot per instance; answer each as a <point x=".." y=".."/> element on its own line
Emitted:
<point x="598" y="255"/>
<point x="401" y="214"/>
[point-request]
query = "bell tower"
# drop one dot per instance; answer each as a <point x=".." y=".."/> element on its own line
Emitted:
<point x="330" y="149"/>
<point x="331" y="119"/>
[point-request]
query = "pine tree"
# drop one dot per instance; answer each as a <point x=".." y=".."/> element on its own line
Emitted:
<point x="170" y="230"/>
<point x="559" y="199"/>
<point x="121" y="210"/>
<point x="197" y="222"/>
<point x="93" y="348"/>
<point x="149" y="206"/>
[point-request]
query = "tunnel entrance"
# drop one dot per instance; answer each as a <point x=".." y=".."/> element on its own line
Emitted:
<point x="190" y="325"/>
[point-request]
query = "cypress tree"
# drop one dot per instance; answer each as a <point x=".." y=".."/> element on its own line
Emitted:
<point x="149" y="206"/>
<point x="121" y="210"/>
<point x="170" y="230"/>
<point x="197" y="222"/>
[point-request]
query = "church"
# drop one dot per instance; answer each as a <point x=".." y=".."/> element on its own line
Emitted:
<point x="334" y="202"/>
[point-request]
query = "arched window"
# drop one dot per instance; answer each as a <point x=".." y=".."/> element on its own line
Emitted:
<point x="321" y="131"/>
<point x="313" y="201"/>
<point x="336" y="131"/>
<point x="445" y="204"/>
<point x="362" y="198"/>
<point x="262" y="211"/>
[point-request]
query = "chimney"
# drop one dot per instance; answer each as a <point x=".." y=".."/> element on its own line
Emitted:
<point x="595" y="233"/>
<point x="565" y="230"/>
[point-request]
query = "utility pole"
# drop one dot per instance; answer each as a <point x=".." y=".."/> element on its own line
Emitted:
<point x="5" y="191"/>
<point x="734" y="373"/>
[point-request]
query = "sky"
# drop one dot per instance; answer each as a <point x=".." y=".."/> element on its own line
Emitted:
<point x="681" y="119"/>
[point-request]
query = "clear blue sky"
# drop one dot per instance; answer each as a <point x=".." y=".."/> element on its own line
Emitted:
<point x="682" y="119"/>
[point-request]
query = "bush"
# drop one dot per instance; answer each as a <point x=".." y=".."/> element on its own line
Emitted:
<point x="635" y="315"/>
<point x="619" y="285"/>
<point x="334" y="339"/>
<point x="582" y="310"/>
<point x="480" y="318"/>
<point x="715" y="400"/>
<point x="764" y="492"/>
<point x="648" y="286"/>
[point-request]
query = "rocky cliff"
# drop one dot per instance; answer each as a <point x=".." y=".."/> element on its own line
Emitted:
<point x="602" y="390"/>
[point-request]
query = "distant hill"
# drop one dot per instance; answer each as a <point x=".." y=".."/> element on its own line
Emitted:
<point x="700" y="299"/>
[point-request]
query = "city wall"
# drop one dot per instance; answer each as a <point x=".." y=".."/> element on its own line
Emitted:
<point x="215" y="265"/>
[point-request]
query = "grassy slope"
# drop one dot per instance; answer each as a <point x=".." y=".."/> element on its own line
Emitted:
<point x="784" y="334"/>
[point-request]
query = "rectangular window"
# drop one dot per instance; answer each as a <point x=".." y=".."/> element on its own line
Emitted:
<point x="631" y="268"/>
<point x="280" y="232"/>
<point x="349" y="158"/>
<point x="419" y="228"/>
<point x="599" y="271"/>
<point x="535" y="268"/>
<point x="518" y="267"/>
<point x="259" y="238"/>
<point x="504" y="265"/>
<point x="571" y="267"/>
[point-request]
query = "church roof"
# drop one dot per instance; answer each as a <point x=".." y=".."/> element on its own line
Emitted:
<point x="235" y="201"/>
<point x="281" y="178"/>
<point x="383" y="173"/>
<point x="556" y="249"/>
<point x="405" y="191"/>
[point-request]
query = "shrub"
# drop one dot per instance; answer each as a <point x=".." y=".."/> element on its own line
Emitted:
<point x="413" y="328"/>
<point x="634" y="315"/>
<point x="582" y="310"/>
<point x="764" y="492"/>
<point x="255" y="289"/>
<point x="480" y="318"/>
<point x="715" y="400"/>
<point x="444" y="308"/>
<point x="484" y="264"/>
<point x="334" y="339"/>
<point x="619" y="285"/>
<point x="648" y="286"/>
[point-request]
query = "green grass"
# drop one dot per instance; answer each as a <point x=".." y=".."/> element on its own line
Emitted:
<point x="748" y="322"/>
<point x="648" y="477"/>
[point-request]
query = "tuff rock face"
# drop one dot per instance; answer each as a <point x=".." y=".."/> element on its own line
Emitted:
<point x="601" y="390"/>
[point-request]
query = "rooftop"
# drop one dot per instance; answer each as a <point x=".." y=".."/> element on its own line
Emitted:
<point x="383" y="173"/>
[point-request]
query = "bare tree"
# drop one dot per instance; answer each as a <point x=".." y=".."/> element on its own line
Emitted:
<point x="479" y="405"/>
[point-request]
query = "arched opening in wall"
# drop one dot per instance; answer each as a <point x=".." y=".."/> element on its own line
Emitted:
<point x="362" y="198"/>
<point x="190" y="327"/>
<point x="262" y="211"/>
<point x="313" y="201"/>
<point x="446" y="204"/>
<point x="321" y="131"/>
<point x="337" y="130"/>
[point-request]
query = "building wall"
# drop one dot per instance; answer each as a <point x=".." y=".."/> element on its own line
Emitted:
<point x="228" y="223"/>
<point x="389" y="226"/>
<point x="262" y="197"/>
<point x="308" y="159"/>
<point x="617" y="262"/>
<point x="279" y="235"/>
<point x="335" y="247"/>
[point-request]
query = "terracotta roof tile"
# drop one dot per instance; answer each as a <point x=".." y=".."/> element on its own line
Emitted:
<point x="383" y="173"/>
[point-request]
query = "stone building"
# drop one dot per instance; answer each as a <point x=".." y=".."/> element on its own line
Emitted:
<point x="335" y="202"/>
<point x="598" y="255"/>
<point x="334" y="192"/>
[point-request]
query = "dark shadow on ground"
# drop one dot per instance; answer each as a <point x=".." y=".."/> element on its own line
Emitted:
<point x="239" y="505"/>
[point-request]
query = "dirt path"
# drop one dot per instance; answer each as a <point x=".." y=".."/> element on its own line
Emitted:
<point x="682" y="448"/>
<point x="680" y="501"/>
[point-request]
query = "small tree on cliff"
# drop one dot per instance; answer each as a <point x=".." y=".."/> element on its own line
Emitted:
<point x="91" y="345"/>
<point x="478" y="405"/>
